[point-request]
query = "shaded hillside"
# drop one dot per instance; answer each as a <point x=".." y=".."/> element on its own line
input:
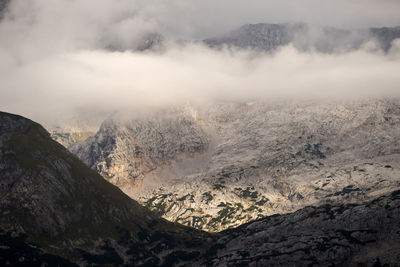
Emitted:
<point x="330" y="235"/>
<point x="49" y="196"/>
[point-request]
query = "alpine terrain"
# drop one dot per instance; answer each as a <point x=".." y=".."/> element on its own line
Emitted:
<point x="56" y="211"/>
<point x="190" y="133"/>
<point x="222" y="164"/>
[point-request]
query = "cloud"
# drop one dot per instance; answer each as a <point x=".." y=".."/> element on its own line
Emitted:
<point x="126" y="81"/>
<point x="52" y="61"/>
<point x="87" y="22"/>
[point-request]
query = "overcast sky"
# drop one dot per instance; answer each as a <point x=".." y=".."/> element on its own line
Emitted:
<point x="50" y="60"/>
<point x="32" y="26"/>
<point x="199" y="18"/>
<point x="218" y="16"/>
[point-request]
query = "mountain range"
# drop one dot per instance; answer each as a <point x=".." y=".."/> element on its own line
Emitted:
<point x="57" y="211"/>
<point x="222" y="164"/>
<point x="262" y="182"/>
<point x="269" y="37"/>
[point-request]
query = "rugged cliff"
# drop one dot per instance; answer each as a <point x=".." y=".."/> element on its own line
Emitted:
<point x="124" y="152"/>
<point x="243" y="161"/>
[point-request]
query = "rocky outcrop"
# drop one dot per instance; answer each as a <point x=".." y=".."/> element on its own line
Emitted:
<point x="68" y="138"/>
<point x="329" y="235"/>
<point x="124" y="152"/>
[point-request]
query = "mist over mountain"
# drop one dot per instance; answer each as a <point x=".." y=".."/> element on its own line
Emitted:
<point x="269" y="37"/>
<point x="133" y="55"/>
<point x="199" y="133"/>
<point x="3" y="6"/>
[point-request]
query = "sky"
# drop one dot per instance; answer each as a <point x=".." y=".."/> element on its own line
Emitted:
<point x="52" y="57"/>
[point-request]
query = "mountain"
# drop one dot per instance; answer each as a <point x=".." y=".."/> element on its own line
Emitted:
<point x="330" y="235"/>
<point x="125" y="152"/>
<point x="3" y="6"/>
<point x="146" y="41"/>
<point x="385" y="36"/>
<point x="269" y="37"/>
<point x="58" y="212"/>
<point x="219" y="165"/>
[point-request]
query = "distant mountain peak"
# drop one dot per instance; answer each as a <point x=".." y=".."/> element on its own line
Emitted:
<point x="268" y="37"/>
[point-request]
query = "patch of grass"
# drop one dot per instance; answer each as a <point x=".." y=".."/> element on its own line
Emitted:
<point x="252" y="208"/>
<point x="262" y="201"/>
<point x="207" y="196"/>
<point x="218" y="186"/>
<point x="249" y="192"/>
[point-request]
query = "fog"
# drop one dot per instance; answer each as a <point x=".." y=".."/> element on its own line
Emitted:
<point x="53" y="59"/>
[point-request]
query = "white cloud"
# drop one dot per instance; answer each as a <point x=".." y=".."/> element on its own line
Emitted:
<point x="51" y="64"/>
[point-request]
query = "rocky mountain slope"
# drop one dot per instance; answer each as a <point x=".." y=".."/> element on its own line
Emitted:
<point x="56" y="211"/>
<point x="125" y="152"/>
<point x="330" y="235"/>
<point x="244" y="161"/>
<point x="269" y="37"/>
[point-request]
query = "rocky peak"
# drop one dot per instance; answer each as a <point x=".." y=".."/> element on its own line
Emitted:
<point x="125" y="151"/>
<point x="269" y="37"/>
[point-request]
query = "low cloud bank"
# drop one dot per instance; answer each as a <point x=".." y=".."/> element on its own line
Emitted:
<point x="104" y="80"/>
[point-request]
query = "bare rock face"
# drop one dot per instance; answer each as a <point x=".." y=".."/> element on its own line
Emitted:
<point x="125" y="152"/>
<point x="220" y="165"/>
<point x="277" y="158"/>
